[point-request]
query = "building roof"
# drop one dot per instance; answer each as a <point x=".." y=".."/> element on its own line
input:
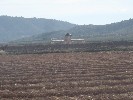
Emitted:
<point x="68" y="34"/>
<point x="56" y="40"/>
<point x="77" y="39"/>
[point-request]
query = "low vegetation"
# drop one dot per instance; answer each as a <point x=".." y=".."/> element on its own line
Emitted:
<point x="2" y="52"/>
<point x="40" y="48"/>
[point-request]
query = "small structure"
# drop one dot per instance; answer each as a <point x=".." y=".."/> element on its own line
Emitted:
<point x="67" y="39"/>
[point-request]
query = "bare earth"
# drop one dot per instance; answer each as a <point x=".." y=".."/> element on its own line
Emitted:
<point x="67" y="76"/>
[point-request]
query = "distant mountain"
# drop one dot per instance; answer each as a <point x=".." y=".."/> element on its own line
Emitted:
<point x="13" y="28"/>
<point x="111" y="32"/>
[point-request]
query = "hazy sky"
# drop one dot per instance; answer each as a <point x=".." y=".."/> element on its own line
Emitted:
<point x="74" y="11"/>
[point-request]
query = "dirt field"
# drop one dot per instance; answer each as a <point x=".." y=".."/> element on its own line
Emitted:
<point x="67" y="76"/>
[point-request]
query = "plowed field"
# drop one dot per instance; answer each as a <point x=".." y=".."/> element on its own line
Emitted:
<point x="67" y="76"/>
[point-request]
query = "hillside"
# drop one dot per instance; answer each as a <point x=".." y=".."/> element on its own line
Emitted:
<point x="13" y="28"/>
<point x="111" y="32"/>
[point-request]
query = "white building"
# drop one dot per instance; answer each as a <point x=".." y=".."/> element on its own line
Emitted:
<point x="67" y="40"/>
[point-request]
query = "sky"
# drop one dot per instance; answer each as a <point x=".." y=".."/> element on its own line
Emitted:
<point x="97" y="12"/>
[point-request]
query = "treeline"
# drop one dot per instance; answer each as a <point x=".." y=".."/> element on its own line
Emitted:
<point x="63" y="48"/>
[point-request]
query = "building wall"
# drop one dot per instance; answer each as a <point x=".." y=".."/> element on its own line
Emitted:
<point x="67" y="40"/>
